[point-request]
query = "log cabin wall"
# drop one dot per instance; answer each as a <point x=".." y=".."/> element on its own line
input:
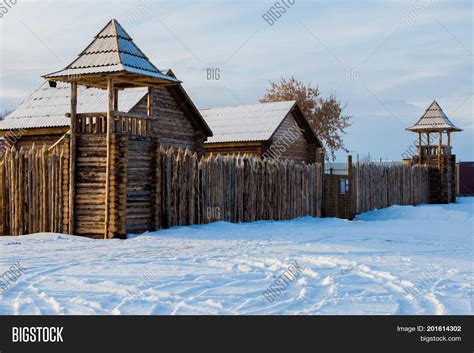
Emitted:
<point x="288" y="142"/>
<point x="38" y="140"/>
<point x="172" y="126"/>
<point x="90" y="185"/>
<point x="227" y="149"/>
<point x="140" y="185"/>
<point x="118" y="186"/>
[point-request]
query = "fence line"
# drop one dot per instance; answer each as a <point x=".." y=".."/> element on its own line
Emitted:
<point x="34" y="188"/>
<point x="186" y="189"/>
<point x="197" y="190"/>
<point x="379" y="186"/>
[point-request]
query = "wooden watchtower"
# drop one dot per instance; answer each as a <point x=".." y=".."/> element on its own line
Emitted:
<point x="102" y="144"/>
<point x="432" y="152"/>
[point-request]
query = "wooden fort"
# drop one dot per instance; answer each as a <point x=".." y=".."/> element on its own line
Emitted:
<point x="110" y="146"/>
<point x="436" y="155"/>
<point x="112" y="151"/>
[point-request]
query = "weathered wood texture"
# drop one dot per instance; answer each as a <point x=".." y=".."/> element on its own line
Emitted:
<point x="235" y="189"/>
<point x="172" y="123"/>
<point x="337" y="202"/>
<point x="152" y="187"/>
<point x="376" y="186"/>
<point x="90" y="185"/>
<point x="27" y="142"/>
<point x="442" y="176"/>
<point x="289" y="142"/>
<point x="140" y="189"/>
<point x="34" y="190"/>
<point x="228" y="149"/>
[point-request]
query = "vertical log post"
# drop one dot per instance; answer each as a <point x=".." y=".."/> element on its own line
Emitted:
<point x="419" y="148"/>
<point x="110" y="107"/>
<point x="440" y="143"/>
<point x="149" y="106"/>
<point x="428" y="141"/>
<point x="72" y="159"/>
<point x="349" y="214"/>
<point x="116" y="92"/>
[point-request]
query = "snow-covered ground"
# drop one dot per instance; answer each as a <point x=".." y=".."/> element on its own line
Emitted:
<point x="401" y="260"/>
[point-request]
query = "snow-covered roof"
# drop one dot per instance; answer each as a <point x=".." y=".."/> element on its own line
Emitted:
<point x="434" y="119"/>
<point x="47" y="106"/>
<point x="111" y="51"/>
<point x="246" y="123"/>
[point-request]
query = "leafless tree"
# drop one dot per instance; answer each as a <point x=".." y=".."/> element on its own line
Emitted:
<point x="324" y="114"/>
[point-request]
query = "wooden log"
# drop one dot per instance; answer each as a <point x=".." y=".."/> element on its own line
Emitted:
<point x="72" y="154"/>
<point x="110" y="117"/>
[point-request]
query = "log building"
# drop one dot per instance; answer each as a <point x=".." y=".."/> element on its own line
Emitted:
<point x="276" y="130"/>
<point x="109" y="110"/>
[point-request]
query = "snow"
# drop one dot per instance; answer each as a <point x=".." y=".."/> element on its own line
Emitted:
<point x="400" y="260"/>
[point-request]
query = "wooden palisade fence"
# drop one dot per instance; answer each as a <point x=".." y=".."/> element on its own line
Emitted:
<point x="34" y="190"/>
<point x="185" y="189"/>
<point x="377" y="186"/>
<point x="195" y="190"/>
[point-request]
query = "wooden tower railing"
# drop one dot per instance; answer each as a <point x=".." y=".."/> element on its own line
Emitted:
<point x="126" y="124"/>
<point x="433" y="150"/>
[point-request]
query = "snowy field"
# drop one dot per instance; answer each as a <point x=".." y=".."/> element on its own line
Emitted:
<point x="401" y="260"/>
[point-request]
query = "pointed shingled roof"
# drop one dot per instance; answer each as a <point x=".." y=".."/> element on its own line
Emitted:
<point x="434" y="119"/>
<point x="112" y="53"/>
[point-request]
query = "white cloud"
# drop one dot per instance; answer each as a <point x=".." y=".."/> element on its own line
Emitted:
<point x="417" y="64"/>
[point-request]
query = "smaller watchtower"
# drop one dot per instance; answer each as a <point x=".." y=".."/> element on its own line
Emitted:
<point x="432" y="152"/>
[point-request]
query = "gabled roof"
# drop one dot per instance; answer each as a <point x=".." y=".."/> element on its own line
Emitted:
<point x="188" y="106"/>
<point x="112" y="53"/>
<point x="47" y="106"/>
<point x="434" y="119"/>
<point x="256" y="122"/>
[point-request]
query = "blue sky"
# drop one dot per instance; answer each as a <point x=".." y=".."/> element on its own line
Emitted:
<point x="385" y="68"/>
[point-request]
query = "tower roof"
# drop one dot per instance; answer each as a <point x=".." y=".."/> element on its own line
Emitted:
<point x="112" y="54"/>
<point x="434" y="119"/>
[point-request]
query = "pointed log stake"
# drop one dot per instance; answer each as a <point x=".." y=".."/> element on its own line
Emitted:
<point x="110" y="108"/>
<point x="72" y="163"/>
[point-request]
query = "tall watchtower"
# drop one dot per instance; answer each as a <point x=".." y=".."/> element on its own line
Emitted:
<point x="432" y="152"/>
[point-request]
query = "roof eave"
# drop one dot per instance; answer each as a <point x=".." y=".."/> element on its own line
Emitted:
<point x="433" y="129"/>
<point x="124" y="78"/>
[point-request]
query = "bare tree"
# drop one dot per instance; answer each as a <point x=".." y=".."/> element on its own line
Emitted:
<point x="324" y="114"/>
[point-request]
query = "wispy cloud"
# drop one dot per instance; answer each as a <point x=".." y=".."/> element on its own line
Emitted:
<point x="403" y="66"/>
